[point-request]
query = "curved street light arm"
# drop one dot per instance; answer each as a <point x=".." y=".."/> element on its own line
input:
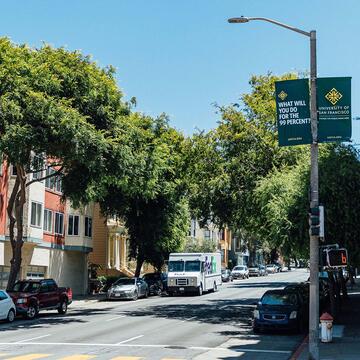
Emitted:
<point x="281" y="24"/>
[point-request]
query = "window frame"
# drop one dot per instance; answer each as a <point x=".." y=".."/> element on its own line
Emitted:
<point x="40" y="217"/>
<point x="88" y="226"/>
<point x="55" y="227"/>
<point x="72" y="228"/>
<point x="52" y="221"/>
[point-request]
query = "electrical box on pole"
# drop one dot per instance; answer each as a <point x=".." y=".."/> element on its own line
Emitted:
<point x="314" y="221"/>
<point x="322" y="223"/>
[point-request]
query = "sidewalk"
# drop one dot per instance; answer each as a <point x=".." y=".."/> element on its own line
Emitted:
<point x="346" y="344"/>
<point x="83" y="300"/>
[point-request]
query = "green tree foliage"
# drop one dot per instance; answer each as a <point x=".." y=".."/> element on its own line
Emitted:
<point x="230" y="160"/>
<point x="57" y="103"/>
<point x="284" y="203"/>
<point x="153" y="206"/>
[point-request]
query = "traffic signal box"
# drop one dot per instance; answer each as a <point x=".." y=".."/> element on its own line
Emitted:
<point x="314" y="221"/>
<point x="337" y="257"/>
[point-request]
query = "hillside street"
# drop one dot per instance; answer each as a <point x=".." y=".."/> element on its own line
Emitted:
<point x="216" y="325"/>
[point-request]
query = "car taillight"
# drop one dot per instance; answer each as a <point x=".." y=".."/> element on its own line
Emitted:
<point x="70" y="293"/>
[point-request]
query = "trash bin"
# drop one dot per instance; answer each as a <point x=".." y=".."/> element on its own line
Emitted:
<point x="326" y="321"/>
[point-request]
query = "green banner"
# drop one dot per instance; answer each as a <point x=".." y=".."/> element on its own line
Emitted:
<point x="334" y="109"/>
<point x="293" y="112"/>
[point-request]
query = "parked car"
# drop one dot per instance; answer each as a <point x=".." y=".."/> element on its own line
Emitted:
<point x="280" y="309"/>
<point x="155" y="282"/>
<point x="279" y="267"/>
<point x="240" y="272"/>
<point x="263" y="270"/>
<point x="31" y="296"/>
<point x="254" y="271"/>
<point x="271" y="269"/>
<point x="7" y="307"/>
<point x="128" y="288"/>
<point x="302" y="288"/>
<point x="226" y="275"/>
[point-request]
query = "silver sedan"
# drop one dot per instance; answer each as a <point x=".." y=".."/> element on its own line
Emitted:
<point x="128" y="288"/>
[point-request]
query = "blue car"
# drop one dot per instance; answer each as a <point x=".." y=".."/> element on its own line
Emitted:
<point x="280" y="309"/>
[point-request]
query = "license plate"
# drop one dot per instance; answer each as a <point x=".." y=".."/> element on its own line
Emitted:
<point x="118" y="295"/>
<point x="182" y="289"/>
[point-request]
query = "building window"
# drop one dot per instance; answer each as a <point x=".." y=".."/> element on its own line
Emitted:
<point x="88" y="226"/>
<point x="59" y="223"/>
<point x="53" y="182"/>
<point x="48" y="220"/>
<point x="207" y="234"/>
<point x="36" y="213"/>
<point x="37" y="164"/>
<point x="73" y="225"/>
<point x="35" y="272"/>
<point x="13" y="170"/>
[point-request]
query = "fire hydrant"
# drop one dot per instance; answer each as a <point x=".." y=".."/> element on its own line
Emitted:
<point x="326" y="321"/>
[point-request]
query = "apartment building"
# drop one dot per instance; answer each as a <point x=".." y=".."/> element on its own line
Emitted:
<point x="57" y="238"/>
<point x="220" y="238"/>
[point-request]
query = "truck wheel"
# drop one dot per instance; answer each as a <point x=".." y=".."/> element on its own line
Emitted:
<point x="62" y="309"/>
<point x="200" y="290"/>
<point x="11" y="316"/>
<point x="31" y="312"/>
<point x="215" y="289"/>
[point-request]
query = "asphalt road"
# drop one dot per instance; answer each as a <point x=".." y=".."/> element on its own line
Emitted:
<point x="213" y="326"/>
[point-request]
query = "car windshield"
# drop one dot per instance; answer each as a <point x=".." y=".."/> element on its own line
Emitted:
<point x="193" y="265"/>
<point x="176" y="266"/>
<point x="279" y="299"/>
<point x="151" y="277"/>
<point x="24" y="286"/>
<point x="239" y="268"/>
<point x="124" y="281"/>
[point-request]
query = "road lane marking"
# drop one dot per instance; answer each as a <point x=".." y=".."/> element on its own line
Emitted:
<point x="127" y="358"/>
<point x="159" y="346"/>
<point x="115" y="318"/>
<point x="35" y="338"/>
<point x="29" y="356"/>
<point x="128" y="340"/>
<point x="78" y="357"/>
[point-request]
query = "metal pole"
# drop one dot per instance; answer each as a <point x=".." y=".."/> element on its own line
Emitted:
<point x="314" y="202"/>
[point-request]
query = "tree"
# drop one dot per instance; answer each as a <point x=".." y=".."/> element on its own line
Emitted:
<point x="154" y="206"/>
<point x="230" y="160"/>
<point x="57" y="109"/>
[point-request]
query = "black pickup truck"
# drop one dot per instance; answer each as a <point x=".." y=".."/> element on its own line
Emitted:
<point x="31" y="296"/>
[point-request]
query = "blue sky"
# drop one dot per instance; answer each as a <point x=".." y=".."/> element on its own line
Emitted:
<point x="180" y="57"/>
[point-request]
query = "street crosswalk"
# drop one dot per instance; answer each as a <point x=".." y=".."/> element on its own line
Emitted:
<point x="36" y="356"/>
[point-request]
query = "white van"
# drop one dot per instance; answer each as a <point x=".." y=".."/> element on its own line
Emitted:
<point x="194" y="272"/>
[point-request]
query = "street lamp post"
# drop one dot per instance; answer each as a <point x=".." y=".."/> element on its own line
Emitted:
<point x="314" y="187"/>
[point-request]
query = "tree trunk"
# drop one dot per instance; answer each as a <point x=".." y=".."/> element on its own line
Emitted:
<point x="139" y="264"/>
<point x="16" y="207"/>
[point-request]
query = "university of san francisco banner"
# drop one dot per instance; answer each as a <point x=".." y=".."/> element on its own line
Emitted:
<point x="334" y="109"/>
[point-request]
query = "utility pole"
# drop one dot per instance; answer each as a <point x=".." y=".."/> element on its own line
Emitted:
<point x="314" y="203"/>
<point x="314" y="185"/>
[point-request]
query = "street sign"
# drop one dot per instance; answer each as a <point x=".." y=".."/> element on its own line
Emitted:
<point x="337" y="258"/>
<point x="293" y="112"/>
<point x="334" y="109"/>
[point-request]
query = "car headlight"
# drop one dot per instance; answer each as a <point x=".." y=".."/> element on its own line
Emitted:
<point x="293" y="315"/>
<point x="256" y="314"/>
<point x="21" y="301"/>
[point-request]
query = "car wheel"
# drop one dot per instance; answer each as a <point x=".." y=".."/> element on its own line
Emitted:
<point x="31" y="312"/>
<point x="136" y="296"/>
<point x="256" y="330"/>
<point x="62" y="309"/>
<point x="11" y="316"/>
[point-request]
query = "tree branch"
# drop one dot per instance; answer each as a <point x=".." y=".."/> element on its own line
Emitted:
<point x="58" y="172"/>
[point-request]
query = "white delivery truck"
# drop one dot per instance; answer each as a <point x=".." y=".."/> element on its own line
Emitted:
<point x="194" y="272"/>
